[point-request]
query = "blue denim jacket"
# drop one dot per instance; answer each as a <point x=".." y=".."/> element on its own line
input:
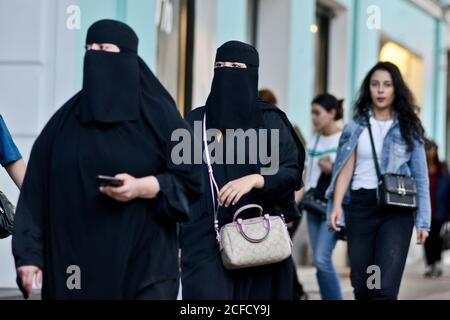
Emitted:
<point x="396" y="158"/>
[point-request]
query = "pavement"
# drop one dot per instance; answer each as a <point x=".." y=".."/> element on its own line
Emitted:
<point x="414" y="285"/>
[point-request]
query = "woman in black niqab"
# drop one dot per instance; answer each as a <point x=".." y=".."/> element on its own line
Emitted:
<point x="122" y="240"/>
<point x="233" y="104"/>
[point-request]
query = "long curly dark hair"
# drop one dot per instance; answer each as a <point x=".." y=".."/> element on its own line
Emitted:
<point x="404" y="104"/>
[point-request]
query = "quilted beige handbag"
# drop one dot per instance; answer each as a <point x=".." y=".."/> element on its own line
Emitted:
<point x="253" y="242"/>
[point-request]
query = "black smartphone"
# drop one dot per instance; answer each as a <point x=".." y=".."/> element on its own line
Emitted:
<point x="107" y="181"/>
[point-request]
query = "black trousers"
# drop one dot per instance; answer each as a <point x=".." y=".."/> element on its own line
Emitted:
<point x="433" y="245"/>
<point x="378" y="239"/>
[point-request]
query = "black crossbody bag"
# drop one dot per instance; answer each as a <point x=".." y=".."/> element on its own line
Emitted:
<point x="395" y="190"/>
<point x="314" y="201"/>
<point x="6" y="216"/>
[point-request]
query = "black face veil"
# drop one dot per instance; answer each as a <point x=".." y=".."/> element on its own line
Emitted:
<point x="111" y="80"/>
<point x="232" y="103"/>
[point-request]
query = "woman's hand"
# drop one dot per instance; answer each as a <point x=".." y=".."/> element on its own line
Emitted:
<point x="26" y="275"/>
<point x="326" y="166"/>
<point x="132" y="188"/>
<point x="342" y="183"/>
<point x="335" y="218"/>
<point x="422" y="236"/>
<point x="232" y="192"/>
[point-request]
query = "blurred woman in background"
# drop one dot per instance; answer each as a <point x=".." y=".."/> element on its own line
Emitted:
<point x="440" y="208"/>
<point x="321" y="150"/>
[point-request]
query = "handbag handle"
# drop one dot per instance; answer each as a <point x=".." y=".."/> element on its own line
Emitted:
<point x="246" y="207"/>
<point x="250" y="239"/>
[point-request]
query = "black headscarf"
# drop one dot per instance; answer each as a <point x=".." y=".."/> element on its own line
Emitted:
<point x="111" y="80"/>
<point x="232" y="103"/>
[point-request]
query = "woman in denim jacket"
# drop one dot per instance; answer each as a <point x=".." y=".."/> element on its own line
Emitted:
<point x="379" y="238"/>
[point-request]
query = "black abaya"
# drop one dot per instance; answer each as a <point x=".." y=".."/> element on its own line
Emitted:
<point x="203" y="274"/>
<point x="123" y="250"/>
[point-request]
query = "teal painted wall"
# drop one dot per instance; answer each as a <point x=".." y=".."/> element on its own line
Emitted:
<point x="141" y="17"/>
<point x="301" y="64"/>
<point x="351" y="9"/>
<point x="232" y="16"/>
<point x="440" y="104"/>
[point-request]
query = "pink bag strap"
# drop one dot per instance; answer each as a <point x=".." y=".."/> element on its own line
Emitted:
<point x="248" y="206"/>
<point x="215" y="190"/>
<point x="212" y="182"/>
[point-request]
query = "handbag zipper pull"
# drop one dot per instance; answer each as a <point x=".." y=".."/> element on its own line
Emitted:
<point x="284" y="221"/>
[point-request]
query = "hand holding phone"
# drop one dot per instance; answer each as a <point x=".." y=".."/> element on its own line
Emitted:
<point x="107" y="181"/>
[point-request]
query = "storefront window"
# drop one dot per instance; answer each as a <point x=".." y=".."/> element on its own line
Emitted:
<point x="175" y="47"/>
<point x="322" y="43"/>
<point x="410" y="65"/>
<point x="252" y="21"/>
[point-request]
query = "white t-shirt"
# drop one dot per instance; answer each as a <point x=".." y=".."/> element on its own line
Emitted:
<point x="326" y="147"/>
<point x="365" y="175"/>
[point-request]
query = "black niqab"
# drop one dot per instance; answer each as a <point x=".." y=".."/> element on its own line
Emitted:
<point x="232" y="103"/>
<point x="111" y="80"/>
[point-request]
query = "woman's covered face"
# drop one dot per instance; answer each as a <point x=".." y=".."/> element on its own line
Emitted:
<point x="227" y="64"/>
<point x="109" y="47"/>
